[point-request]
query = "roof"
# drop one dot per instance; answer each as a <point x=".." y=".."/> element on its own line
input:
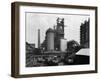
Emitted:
<point x="49" y="30"/>
<point x="83" y="52"/>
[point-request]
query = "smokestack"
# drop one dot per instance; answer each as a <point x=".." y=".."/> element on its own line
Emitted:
<point x="38" y="38"/>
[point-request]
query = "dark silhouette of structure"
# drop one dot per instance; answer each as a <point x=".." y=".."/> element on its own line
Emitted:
<point x="84" y="34"/>
<point x="73" y="46"/>
<point x="59" y="33"/>
<point x="29" y="47"/>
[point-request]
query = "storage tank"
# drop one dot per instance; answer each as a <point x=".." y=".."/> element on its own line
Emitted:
<point x="63" y="44"/>
<point x="50" y="39"/>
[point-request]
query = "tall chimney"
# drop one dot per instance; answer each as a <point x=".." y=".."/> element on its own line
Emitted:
<point x="38" y="38"/>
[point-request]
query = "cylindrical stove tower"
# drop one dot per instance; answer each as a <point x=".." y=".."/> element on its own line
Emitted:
<point x="50" y="39"/>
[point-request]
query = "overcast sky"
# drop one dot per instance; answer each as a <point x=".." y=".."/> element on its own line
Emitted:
<point x="35" y="21"/>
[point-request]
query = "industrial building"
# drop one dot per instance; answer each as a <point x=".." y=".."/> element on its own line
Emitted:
<point x="84" y="34"/>
<point x="55" y="49"/>
<point x="54" y="39"/>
